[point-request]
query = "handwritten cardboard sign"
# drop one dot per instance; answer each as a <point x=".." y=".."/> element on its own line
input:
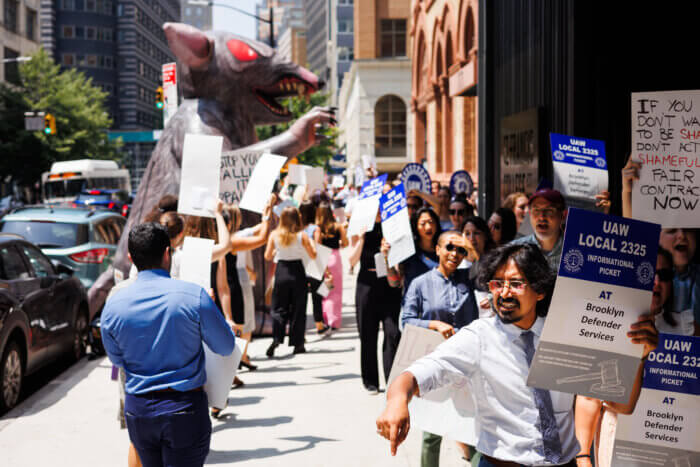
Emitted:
<point x="236" y="169"/>
<point x="666" y="141"/>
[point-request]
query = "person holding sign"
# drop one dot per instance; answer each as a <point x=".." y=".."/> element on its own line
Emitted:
<point x="288" y="244"/>
<point x="547" y="213"/>
<point x="680" y="242"/>
<point x="154" y="330"/>
<point x="425" y="306"/>
<point x="332" y="235"/>
<point x="439" y="202"/>
<point x="376" y="303"/>
<point x="589" y="419"/>
<point x="519" y="425"/>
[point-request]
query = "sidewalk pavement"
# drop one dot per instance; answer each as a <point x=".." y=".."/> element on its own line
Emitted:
<point x="295" y="410"/>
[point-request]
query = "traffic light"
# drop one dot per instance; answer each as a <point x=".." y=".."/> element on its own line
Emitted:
<point x="160" y="100"/>
<point x="49" y="124"/>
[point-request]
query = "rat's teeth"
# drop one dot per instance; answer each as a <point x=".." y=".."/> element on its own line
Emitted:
<point x="301" y="89"/>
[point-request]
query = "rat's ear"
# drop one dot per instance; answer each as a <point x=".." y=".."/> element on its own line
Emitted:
<point x="190" y="45"/>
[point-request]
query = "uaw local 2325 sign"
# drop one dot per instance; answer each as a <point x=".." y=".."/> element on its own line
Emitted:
<point x="461" y="182"/>
<point x="415" y="177"/>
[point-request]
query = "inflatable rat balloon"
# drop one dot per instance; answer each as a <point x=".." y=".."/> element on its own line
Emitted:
<point x="230" y="85"/>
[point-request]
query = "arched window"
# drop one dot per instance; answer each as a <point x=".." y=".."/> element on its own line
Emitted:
<point x="390" y="127"/>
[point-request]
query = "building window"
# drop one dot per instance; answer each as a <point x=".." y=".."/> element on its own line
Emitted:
<point x="79" y="5"/>
<point x="30" y="26"/>
<point x="90" y="5"/>
<point x="393" y="37"/>
<point x="68" y="59"/>
<point x="345" y="54"/>
<point x="79" y="32"/>
<point x="10" y="17"/>
<point x="390" y="127"/>
<point x="67" y="5"/>
<point x="91" y="60"/>
<point x="90" y="33"/>
<point x="120" y="9"/>
<point x="68" y="32"/>
<point x="345" y="2"/>
<point x="345" y="25"/>
<point x="11" y="67"/>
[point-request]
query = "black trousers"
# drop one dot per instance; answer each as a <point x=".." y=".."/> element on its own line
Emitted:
<point x="289" y="297"/>
<point x="377" y="303"/>
<point x="316" y="299"/>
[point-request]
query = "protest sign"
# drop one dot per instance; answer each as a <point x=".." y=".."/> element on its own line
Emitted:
<point x="448" y="411"/>
<point x="605" y="280"/>
<point x="220" y="371"/>
<point x="368" y="161"/>
<point x="416" y="177"/>
<point x="338" y="181"/>
<point x="663" y="430"/>
<point x="461" y="182"/>
<point x="317" y="266"/>
<point x="236" y="168"/>
<point x="296" y="174"/>
<point x="396" y="225"/>
<point x="261" y="182"/>
<point x="314" y="178"/>
<point x="195" y="263"/>
<point x="364" y="212"/>
<point x="666" y="141"/>
<point x="580" y="167"/>
<point x="359" y="176"/>
<point x="199" y="179"/>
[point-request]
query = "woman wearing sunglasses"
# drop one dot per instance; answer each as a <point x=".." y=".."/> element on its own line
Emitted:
<point x="588" y="411"/>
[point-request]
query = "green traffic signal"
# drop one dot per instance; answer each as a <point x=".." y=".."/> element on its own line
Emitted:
<point x="160" y="98"/>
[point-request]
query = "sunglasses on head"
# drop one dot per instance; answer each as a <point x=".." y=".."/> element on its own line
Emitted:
<point x="460" y="250"/>
<point x="665" y="274"/>
<point x="456" y="212"/>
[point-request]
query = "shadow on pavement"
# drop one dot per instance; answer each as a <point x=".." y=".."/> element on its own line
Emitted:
<point x="332" y="378"/>
<point x="233" y="422"/>
<point x="287" y="367"/>
<point x="222" y="457"/>
<point x="233" y="401"/>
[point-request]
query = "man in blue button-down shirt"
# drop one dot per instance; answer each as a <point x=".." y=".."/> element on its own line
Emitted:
<point x="154" y="330"/>
<point x="517" y="425"/>
<point x="441" y="299"/>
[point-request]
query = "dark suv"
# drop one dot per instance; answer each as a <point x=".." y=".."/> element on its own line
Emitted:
<point x="43" y="314"/>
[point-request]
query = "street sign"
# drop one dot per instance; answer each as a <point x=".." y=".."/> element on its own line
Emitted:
<point x="169" y="91"/>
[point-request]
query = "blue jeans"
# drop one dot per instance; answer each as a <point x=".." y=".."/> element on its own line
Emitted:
<point x="169" y="429"/>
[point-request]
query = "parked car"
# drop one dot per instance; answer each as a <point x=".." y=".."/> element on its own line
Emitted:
<point x="43" y="314"/>
<point x="85" y="240"/>
<point x="114" y="200"/>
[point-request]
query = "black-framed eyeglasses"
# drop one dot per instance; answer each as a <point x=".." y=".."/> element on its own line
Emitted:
<point x="665" y="274"/>
<point x="459" y="249"/>
<point x="458" y="212"/>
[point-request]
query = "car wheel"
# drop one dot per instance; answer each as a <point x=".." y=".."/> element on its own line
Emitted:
<point x="80" y="338"/>
<point x="10" y="376"/>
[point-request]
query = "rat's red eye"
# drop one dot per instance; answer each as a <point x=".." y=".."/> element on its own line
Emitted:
<point x="242" y="51"/>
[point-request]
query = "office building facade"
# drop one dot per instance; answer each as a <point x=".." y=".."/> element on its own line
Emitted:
<point x="19" y="35"/>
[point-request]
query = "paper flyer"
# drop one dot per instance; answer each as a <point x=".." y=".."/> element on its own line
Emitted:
<point x="448" y="411"/>
<point x="261" y="182"/>
<point x="580" y="166"/>
<point x="296" y="174"/>
<point x="665" y="133"/>
<point x="663" y="430"/>
<point x="317" y="266"/>
<point x="604" y="283"/>
<point x="396" y="225"/>
<point x="220" y="371"/>
<point x="199" y="179"/>
<point x="195" y="263"/>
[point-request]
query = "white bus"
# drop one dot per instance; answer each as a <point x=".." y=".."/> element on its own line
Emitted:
<point x="64" y="182"/>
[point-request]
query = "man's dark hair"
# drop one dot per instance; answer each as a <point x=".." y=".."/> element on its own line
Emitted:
<point x="147" y="243"/>
<point x="530" y="261"/>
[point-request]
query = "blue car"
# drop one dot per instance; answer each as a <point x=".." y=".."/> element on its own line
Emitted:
<point x="114" y="200"/>
<point x="85" y="240"/>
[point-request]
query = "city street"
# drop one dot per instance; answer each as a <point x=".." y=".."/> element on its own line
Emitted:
<point x="305" y="410"/>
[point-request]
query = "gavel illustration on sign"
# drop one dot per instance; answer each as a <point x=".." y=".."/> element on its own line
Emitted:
<point x="609" y="382"/>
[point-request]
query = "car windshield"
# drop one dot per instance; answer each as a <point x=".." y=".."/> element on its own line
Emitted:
<point x="63" y="188"/>
<point x="86" y="198"/>
<point x="48" y="234"/>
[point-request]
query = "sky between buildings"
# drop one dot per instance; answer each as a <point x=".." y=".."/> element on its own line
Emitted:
<point x="226" y="19"/>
